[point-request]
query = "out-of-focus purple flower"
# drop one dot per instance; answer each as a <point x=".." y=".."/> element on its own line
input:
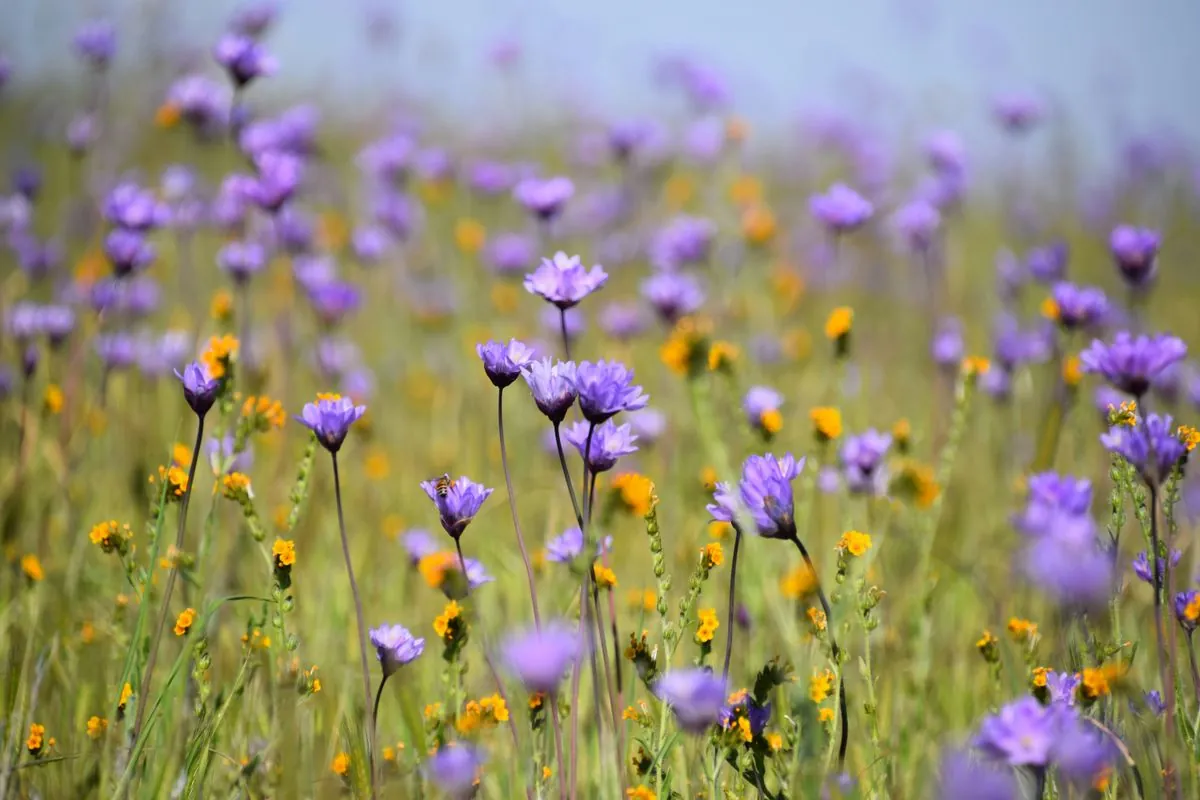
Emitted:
<point x="673" y="294"/>
<point x="1048" y="264"/>
<point x="27" y="181"/>
<point x="116" y="350"/>
<point x="946" y="152"/>
<point x="963" y="775"/>
<point x="1154" y="702"/>
<point x="829" y="480"/>
<point x="160" y="355"/>
<point x="622" y="321"/>
<point x="127" y="251"/>
<point x="242" y="260"/>
<point x="1069" y="564"/>
<point x="202" y="102"/>
<point x="704" y="140"/>
<point x="695" y="695"/>
<point x="1014" y="346"/>
<point x="1017" y="112"/>
<point x="606" y="388"/>
<point x="334" y="356"/>
<point x="540" y="658"/>
<point x="566" y="547"/>
<point x="552" y="320"/>
<point x="682" y="241"/>
<point x="917" y="224"/>
<point x="1135" y="252"/>
<point x="358" y="383"/>
<point x="490" y="178"/>
<point x="37" y="259"/>
<point x="503" y="362"/>
<point x="243" y="58"/>
<point x="82" y="132"/>
<point x="1152" y="446"/>
<point x="335" y="300"/>
<point x="6" y="375"/>
<point x="330" y="419"/>
<point x="552" y="385"/>
<point x="434" y="164"/>
<point x="862" y="461"/>
<point x="757" y="716"/>
<point x="96" y="43"/>
<point x="1079" y="306"/>
<point x="130" y="206"/>
<point x="1106" y="400"/>
<point x="295" y="231"/>
<point x="627" y="136"/>
<point x="1133" y="364"/>
<point x="222" y="458"/>
<point x="396" y="212"/>
<point x="766" y="492"/>
<point x="1082" y="753"/>
<point x="648" y="423"/>
<point x="1184" y="601"/>
<point x="544" y="198"/>
<point x="759" y="402"/>
<point x="278" y="177"/>
<point x="395" y="647"/>
<point x="254" y="19"/>
<point x="199" y="388"/>
<point x="369" y="243"/>
<point x="457" y="501"/>
<point x="388" y="159"/>
<point x="313" y="272"/>
<point x="947" y="346"/>
<point x="57" y="322"/>
<point x="453" y="769"/>
<point x="140" y="296"/>
<point x="1011" y="275"/>
<point x="608" y="443"/>
<point x="840" y="209"/>
<point x="1022" y="733"/>
<point x="1050" y="495"/>
<point x="418" y="543"/>
<point x="510" y="253"/>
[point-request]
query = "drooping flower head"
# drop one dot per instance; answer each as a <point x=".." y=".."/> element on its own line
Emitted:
<point x="552" y="385"/>
<point x="1152" y="446"/>
<point x="1077" y="307"/>
<point x="453" y="769"/>
<point x="766" y="492"/>
<point x="695" y="695"/>
<point x="503" y="363"/>
<point x="457" y="501"/>
<point x="606" y="388"/>
<point x="243" y="58"/>
<point x="608" y="443"/>
<point x="673" y="295"/>
<point x="862" y="457"/>
<point x="564" y="281"/>
<point x="544" y="198"/>
<point x="539" y="658"/>
<point x="330" y="419"/>
<point x="1132" y="363"/>
<point x="395" y="647"/>
<point x="199" y="388"/>
<point x="1135" y="252"/>
<point x="841" y="209"/>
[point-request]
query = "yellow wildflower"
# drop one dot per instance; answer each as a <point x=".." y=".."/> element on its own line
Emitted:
<point x="641" y="792"/>
<point x="87" y="632"/>
<point x="635" y="491"/>
<point x="36" y="740"/>
<point x="1189" y="436"/>
<point x="774" y="741"/>
<point x="839" y="323"/>
<point x="817" y="617"/>
<point x="855" y="543"/>
<point x="263" y="408"/>
<point x="987" y="646"/>
<point x="605" y="577"/>
<point x="708" y="479"/>
<point x="798" y="583"/>
<point x="712" y="555"/>
<point x="442" y="625"/>
<point x="679" y="190"/>
<point x="1038" y="677"/>
<point x="126" y="693"/>
<point x="771" y="421"/>
<point x="469" y="235"/>
<point x="236" y="486"/>
<point x="746" y="190"/>
<point x="722" y="355"/>
<point x="184" y="621"/>
<point x="644" y="599"/>
<point x="973" y="366"/>
<point x="96" y="726"/>
<point x="758" y="224"/>
<point x="221" y="307"/>
<point x="536" y="700"/>
<point x="52" y="399"/>
<point x="1191" y="611"/>
<point x="707" y="626"/>
<point x="1094" y="683"/>
<point x="1050" y="309"/>
<point x="432" y="710"/>
<point x="1125" y="414"/>
<point x="377" y="466"/>
<point x="220" y="352"/>
<point x="284" y="552"/>
<point x="827" y="422"/>
<point x="1022" y="630"/>
<point x="744" y="732"/>
<point x="167" y="115"/>
<point x="176" y="480"/>
<point x="433" y="567"/>
<point x="719" y="529"/>
<point x="820" y="685"/>
<point x="1072" y="371"/>
<point x="902" y="431"/>
<point x="341" y="764"/>
<point x="32" y="567"/>
<point x="825" y="715"/>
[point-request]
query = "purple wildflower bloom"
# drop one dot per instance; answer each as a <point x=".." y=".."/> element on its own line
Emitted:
<point x="1079" y="306"/>
<point x="1051" y="494"/>
<point x="1135" y="252"/>
<point x="159" y="355"/>
<point x="388" y="159"/>
<point x="243" y="58"/>
<point x="539" y="658"/>
<point x="127" y="251"/>
<point x="335" y="300"/>
<point x="1154" y="702"/>
<point x="829" y="480"/>
<point x="648" y="423"/>
<point x="222" y="458"/>
<point x="199" y="388"/>
<point x="673" y="295"/>
<point x="96" y="43"/>
<point x="82" y="132"/>
<point x="622" y="321"/>
<point x="27" y="181"/>
<point x="490" y="178"/>
<point x="1061" y="686"/>
<point x="606" y="388"/>
<point x="278" y="177"/>
<point x="130" y="206"/>
<point x="1014" y="346"/>
<point x="1182" y="601"/>
<point x="37" y="259"/>
<point x="1068" y="563"/>
<point x="24" y="321"/>
<point x="369" y="243"/>
<point x="453" y="769"/>
<point x="1011" y="275"/>
<point x="566" y="547"/>
<point x="458" y="503"/>
<point x="946" y="152"/>
<point x="330" y="419"/>
<point x="419" y="543"/>
<point x="841" y="209"/>
<point x="58" y="322"/>
<point x="116" y="350"/>
<point x="963" y="775"/>
<point x="335" y="356"/>
<point x="695" y="695"/>
<point x="1142" y="568"/>
<point x="1048" y="264"/>
<point x="242" y="260"/>
<point x="395" y="647"/>
<point x="917" y="224"/>
<point x="608" y="443"/>
<point x="552" y="386"/>
<point x="1152" y="446"/>
<point x="766" y="491"/>
<point x="1082" y="753"/>
<point x="1017" y="112"/>
<point x="254" y="19"/>
<point x="759" y="401"/>
<point x="862" y="457"/>
<point x="544" y="198"/>
<point x="202" y="102"/>
<point x="564" y="281"/>
<point x="947" y="346"/>
<point x="1022" y="733"/>
<point x="758" y="716"/>
<point x="682" y="241"/>
<point x="503" y="362"/>
<point x="552" y="319"/>
<point x="510" y="253"/>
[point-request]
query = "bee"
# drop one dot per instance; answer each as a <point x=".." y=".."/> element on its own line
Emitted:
<point x="441" y="486"/>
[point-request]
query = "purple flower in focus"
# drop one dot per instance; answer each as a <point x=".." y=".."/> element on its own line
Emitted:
<point x="1135" y="252"/>
<point x="673" y="295"/>
<point x="766" y="492"/>
<point x="1048" y="264"/>
<point x="330" y="419"/>
<point x="963" y="775"/>
<point x="243" y="58"/>
<point x="544" y="198"/>
<point x="1061" y="686"/>
<point x="605" y="388"/>
<point x="552" y="386"/>
<point x="539" y="658"/>
<point x="503" y="362"/>
<point x="395" y="647"/>
<point x="1142" y="568"/>
<point x="608" y="442"/>
<point x="242" y="260"/>
<point x="1079" y="306"/>
<point x="695" y="695"/>
<point x="1152" y="446"/>
<point x="564" y="281"/>
<point x="457" y="502"/>
<point x="1022" y="733"/>
<point x="841" y="209"/>
<point x="199" y="388"/>
<point x="1183" y="601"/>
<point x="862" y="458"/>
<point x="96" y="43"/>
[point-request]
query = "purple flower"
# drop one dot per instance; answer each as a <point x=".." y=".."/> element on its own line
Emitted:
<point x="202" y="103"/>
<point x="457" y="501"/>
<point x="57" y="323"/>
<point x="766" y="492"/>
<point x="1050" y="495"/>
<point x="564" y="281"/>
<point x="503" y="362"/>
<point x="758" y="716"/>
<point x="947" y="346"/>
<point x="453" y="769"/>
<point x="1154" y="702"/>
<point x="841" y="209"/>
<point x="222" y="458"/>
<point x="1017" y="112"/>
<point x="758" y="402"/>
<point x="330" y="419"/>
<point x="159" y="355"/>
<point x="1048" y="264"/>
<point x="1061" y="686"/>
<point x="622" y="321"/>
<point x="862" y="457"/>
<point x="335" y="300"/>
<point x="917" y="224"/>
<point x="946" y="152"/>
<point x="255" y="18"/>
<point x="243" y="58"/>
<point x="199" y="388"/>
<point x="1135" y="252"/>
<point x="37" y="259"/>
<point x="490" y="178"/>
<point x="552" y="320"/>
<point x="510" y="253"/>
<point x="829" y="480"/>
<point x="419" y="543"/>
<point x="682" y="241"/>
<point x="395" y="647"/>
<point x="130" y="206"/>
<point x="696" y="695"/>
<point x="1131" y="363"/>
<point x="1183" y="600"/>
<point x="242" y="260"/>
<point x="96" y="42"/>
<point x="295" y="231"/>
<point x="1142" y="568"/>
<point x="1068" y="563"/>
<point x="369" y="243"/>
<point x="673" y="295"/>
<point x="963" y="775"/>
<point x="539" y="658"/>
<point x="1079" y="306"/>
<point x="1082" y="753"/>
<point x="566" y="547"/>
<point x="544" y="198"/>
<point x="605" y="388"/>
<point x="82" y="132"/>
<point x="608" y="443"/>
<point x="127" y="251"/>
<point x="278" y="177"/>
<point x="1152" y="446"/>
<point x="116" y="350"/>
<point x="649" y="424"/>
<point x="1022" y="733"/>
<point x="552" y="386"/>
<point x="388" y="159"/>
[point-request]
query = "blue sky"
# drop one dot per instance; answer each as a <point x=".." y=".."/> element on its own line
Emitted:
<point x="920" y="63"/>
